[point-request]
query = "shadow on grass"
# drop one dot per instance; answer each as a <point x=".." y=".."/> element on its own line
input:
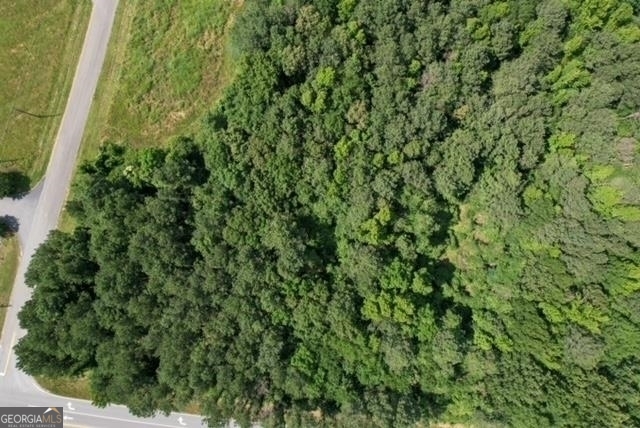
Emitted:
<point x="14" y="184"/>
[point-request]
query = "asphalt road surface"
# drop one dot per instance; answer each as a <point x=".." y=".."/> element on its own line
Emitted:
<point x="37" y="214"/>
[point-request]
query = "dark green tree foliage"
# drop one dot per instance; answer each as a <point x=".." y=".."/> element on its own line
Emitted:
<point x="8" y="226"/>
<point x="399" y="212"/>
<point x="14" y="184"/>
<point x="61" y="311"/>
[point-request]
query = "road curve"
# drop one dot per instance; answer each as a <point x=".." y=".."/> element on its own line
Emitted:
<point x="38" y="214"/>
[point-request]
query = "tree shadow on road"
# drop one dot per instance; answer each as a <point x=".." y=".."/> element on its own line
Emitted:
<point x="14" y="184"/>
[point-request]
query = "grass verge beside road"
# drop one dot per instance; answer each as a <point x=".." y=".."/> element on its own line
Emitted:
<point x="9" y="258"/>
<point x="39" y="50"/>
<point x="67" y="387"/>
<point x="166" y="66"/>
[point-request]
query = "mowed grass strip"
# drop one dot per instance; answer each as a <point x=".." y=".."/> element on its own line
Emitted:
<point x="167" y="65"/>
<point x="9" y="258"/>
<point x="67" y="387"/>
<point x="39" y="49"/>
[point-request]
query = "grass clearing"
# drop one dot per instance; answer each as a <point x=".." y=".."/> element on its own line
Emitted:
<point x="9" y="258"/>
<point x="39" y="50"/>
<point x="166" y="66"/>
<point x="67" y="387"/>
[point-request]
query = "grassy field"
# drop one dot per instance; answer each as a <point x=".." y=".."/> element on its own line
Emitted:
<point x="39" y="50"/>
<point x="9" y="258"/>
<point x="165" y="68"/>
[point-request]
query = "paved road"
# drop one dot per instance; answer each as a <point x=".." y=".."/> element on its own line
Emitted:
<point x="37" y="214"/>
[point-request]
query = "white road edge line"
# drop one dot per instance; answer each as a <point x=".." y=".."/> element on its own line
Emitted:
<point x="134" y="421"/>
<point x="6" y="366"/>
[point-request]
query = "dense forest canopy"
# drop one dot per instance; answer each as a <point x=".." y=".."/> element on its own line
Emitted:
<point x="401" y="211"/>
